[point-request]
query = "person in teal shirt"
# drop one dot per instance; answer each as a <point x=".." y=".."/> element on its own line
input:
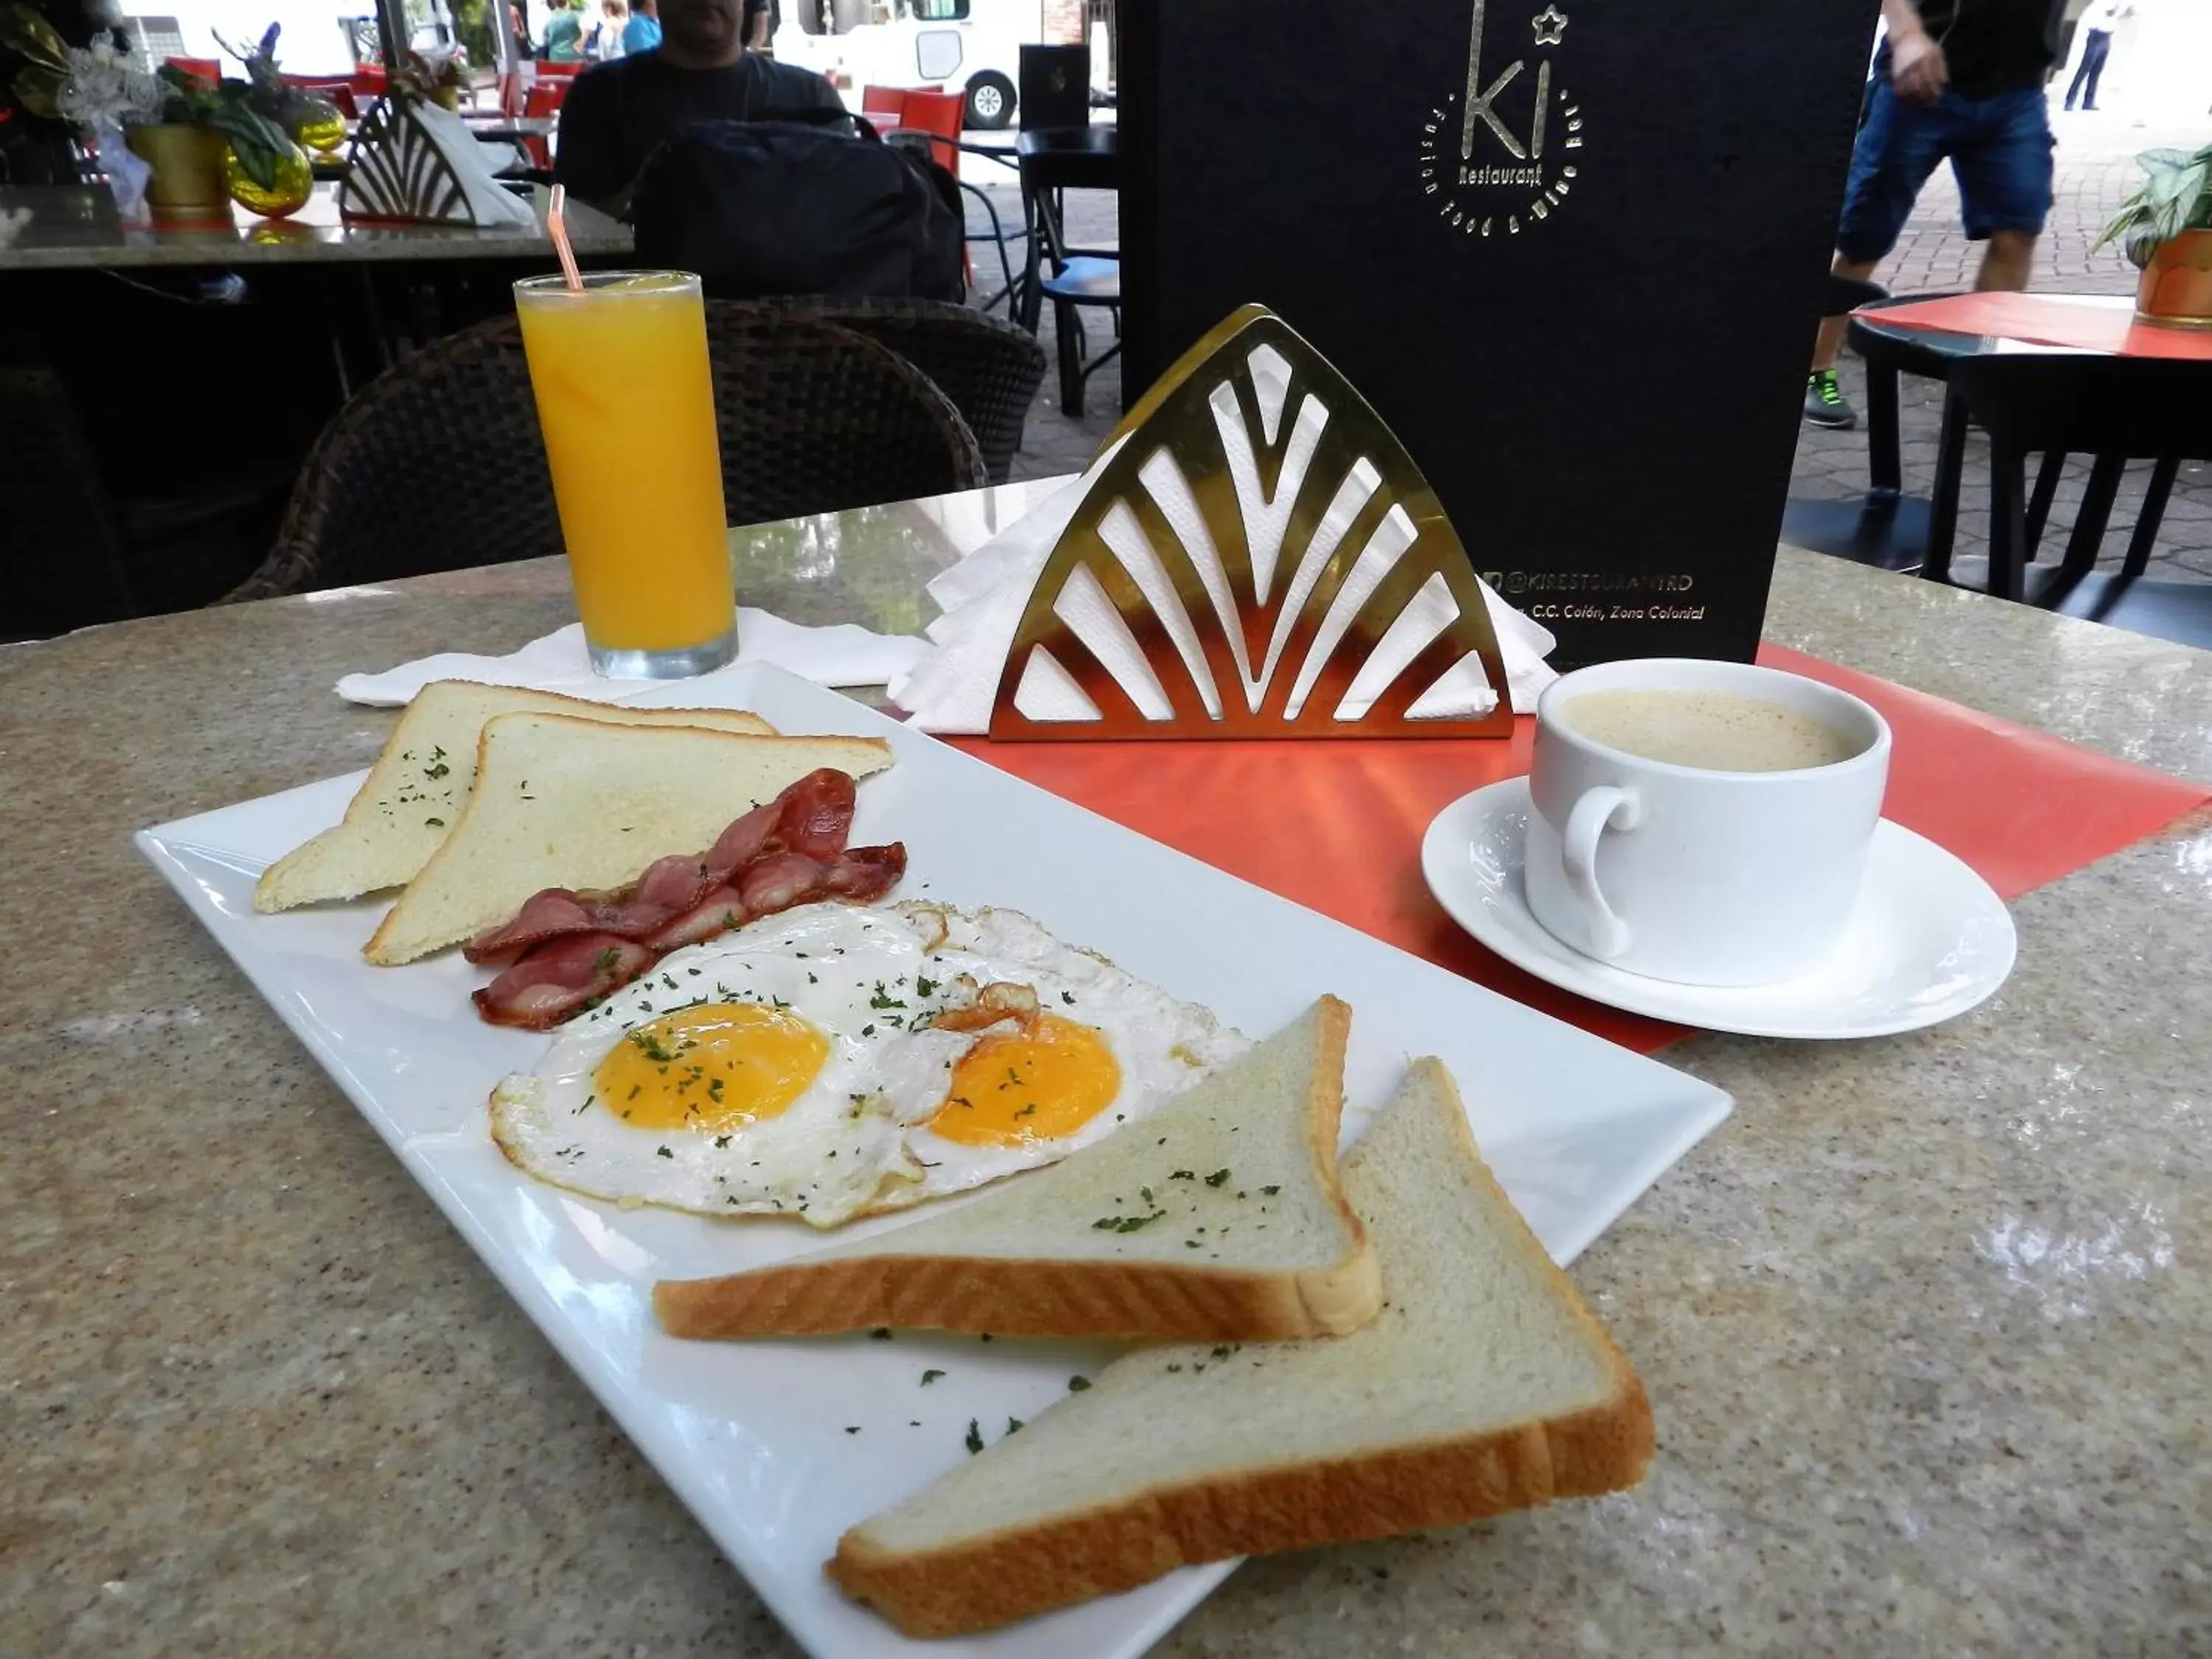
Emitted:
<point x="643" y="32"/>
<point x="564" y="33"/>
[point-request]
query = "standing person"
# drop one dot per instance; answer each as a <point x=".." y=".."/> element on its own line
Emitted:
<point x="564" y="33"/>
<point x="618" y="113"/>
<point x="642" y="32"/>
<point x="605" y="40"/>
<point x="1956" y="79"/>
<point x="2098" y="22"/>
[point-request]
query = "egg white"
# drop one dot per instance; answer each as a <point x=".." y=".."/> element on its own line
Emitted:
<point x="1162" y="1045"/>
<point x="857" y="1140"/>
<point x="824" y="1157"/>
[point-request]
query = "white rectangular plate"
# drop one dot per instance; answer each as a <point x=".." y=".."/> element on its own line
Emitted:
<point x="753" y="1436"/>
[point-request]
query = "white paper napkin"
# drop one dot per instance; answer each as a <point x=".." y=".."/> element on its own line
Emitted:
<point x="843" y="654"/>
<point x="984" y="595"/>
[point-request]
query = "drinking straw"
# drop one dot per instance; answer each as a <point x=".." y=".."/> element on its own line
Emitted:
<point x="556" y="225"/>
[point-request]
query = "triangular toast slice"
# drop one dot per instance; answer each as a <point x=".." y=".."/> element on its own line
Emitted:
<point x="413" y="795"/>
<point x="563" y="802"/>
<point x="1484" y="1385"/>
<point x="1216" y="1216"/>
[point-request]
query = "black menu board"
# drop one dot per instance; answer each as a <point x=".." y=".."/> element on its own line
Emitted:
<point x="1573" y="251"/>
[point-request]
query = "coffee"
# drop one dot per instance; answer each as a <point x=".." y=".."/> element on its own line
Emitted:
<point x="1714" y="731"/>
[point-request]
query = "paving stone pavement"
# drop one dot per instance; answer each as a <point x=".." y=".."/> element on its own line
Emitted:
<point x="2095" y="170"/>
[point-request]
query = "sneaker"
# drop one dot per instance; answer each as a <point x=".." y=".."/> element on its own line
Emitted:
<point x="1823" y="402"/>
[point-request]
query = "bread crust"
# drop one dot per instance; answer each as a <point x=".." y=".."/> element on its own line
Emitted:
<point x="271" y="893"/>
<point x="381" y="949"/>
<point x="1019" y="1572"/>
<point x="1031" y="1296"/>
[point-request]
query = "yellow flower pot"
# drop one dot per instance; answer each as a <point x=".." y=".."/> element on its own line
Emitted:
<point x="2176" y="288"/>
<point x="295" y="182"/>
<point x="187" y="185"/>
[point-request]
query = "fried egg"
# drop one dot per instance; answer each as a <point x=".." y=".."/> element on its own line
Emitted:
<point x="1102" y="1050"/>
<point x="836" y="1059"/>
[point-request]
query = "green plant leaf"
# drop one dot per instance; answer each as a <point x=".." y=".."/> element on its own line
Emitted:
<point x="258" y="142"/>
<point x="26" y="33"/>
<point x="2161" y="161"/>
<point x="39" y="89"/>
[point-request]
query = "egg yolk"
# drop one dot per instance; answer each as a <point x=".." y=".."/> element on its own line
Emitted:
<point x="1012" y="1087"/>
<point x="718" y="1066"/>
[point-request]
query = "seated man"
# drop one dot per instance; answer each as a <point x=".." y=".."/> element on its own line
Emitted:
<point x="620" y="113"/>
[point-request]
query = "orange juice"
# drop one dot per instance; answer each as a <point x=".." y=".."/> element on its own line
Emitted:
<point x="626" y="401"/>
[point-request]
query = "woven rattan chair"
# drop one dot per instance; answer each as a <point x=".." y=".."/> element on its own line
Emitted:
<point x="990" y="369"/>
<point x="439" y="465"/>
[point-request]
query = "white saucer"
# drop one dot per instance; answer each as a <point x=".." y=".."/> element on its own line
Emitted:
<point x="1929" y="940"/>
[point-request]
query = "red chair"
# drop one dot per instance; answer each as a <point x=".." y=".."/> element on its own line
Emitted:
<point x="543" y="98"/>
<point x="884" y="105"/>
<point x="366" y="83"/>
<point x="208" y="70"/>
<point x="547" y="66"/>
<point x="936" y="119"/>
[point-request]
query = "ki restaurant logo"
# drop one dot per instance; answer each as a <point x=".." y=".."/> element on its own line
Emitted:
<point x="1500" y="156"/>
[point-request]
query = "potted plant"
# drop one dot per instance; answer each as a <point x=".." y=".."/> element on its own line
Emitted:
<point x="436" y="75"/>
<point x="2166" y="229"/>
<point x="306" y="118"/>
<point x="212" y="147"/>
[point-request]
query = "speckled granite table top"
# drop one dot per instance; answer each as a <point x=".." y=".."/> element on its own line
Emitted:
<point x="1927" y="1324"/>
<point x="314" y="235"/>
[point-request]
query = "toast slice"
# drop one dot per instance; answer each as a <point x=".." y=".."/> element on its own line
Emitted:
<point x="1484" y="1385"/>
<point x="415" y="792"/>
<point x="563" y="802"/>
<point x="1248" y="1236"/>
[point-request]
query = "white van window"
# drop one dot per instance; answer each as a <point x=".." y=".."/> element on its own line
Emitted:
<point x="941" y="11"/>
<point x="936" y="54"/>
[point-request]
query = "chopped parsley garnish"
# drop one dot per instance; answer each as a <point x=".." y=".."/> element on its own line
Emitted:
<point x="975" y="1438"/>
<point x="1269" y="1192"/>
<point x="720" y="1141"/>
<point x="924" y="987"/>
<point x="1181" y="1174"/>
<point x="650" y="1046"/>
<point x="664" y="1151"/>
<point x="1217" y="1177"/>
<point x="435" y="823"/>
<point x="928" y="1377"/>
<point x="1068" y="997"/>
<point x="881" y="1333"/>
<point x="1077" y="1385"/>
<point x="605" y="962"/>
<point x="1013" y="1426"/>
<point x="852" y="1428"/>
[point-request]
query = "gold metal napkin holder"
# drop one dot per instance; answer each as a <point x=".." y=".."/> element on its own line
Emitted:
<point x="395" y="171"/>
<point x="1193" y="416"/>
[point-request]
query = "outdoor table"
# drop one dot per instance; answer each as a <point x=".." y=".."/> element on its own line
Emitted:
<point x="1054" y="161"/>
<point x="1925" y="1323"/>
<point x="314" y="236"/>
<point x="1890" y="529"/>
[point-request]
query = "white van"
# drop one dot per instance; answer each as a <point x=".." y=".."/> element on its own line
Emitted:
<point x="970" y="46"/>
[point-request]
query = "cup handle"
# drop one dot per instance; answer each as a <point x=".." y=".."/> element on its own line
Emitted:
<point x="1600" y="808"/>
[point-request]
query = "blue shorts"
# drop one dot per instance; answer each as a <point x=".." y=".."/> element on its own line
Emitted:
<point x="1999" y="148"/>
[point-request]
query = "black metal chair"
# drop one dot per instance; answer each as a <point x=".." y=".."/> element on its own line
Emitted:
<point x="1885" y="527"/>
<point x="2116" y="410"/>
<point x="439" y="465"/>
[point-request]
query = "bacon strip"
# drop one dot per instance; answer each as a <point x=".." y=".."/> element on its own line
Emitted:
<point x="566" y="950"/>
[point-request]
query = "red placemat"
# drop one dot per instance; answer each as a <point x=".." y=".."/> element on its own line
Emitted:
<point x="2052" y="319"/>
<point x="1337" y="826"/>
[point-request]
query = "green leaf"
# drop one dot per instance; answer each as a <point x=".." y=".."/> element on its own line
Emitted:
<point x="29" y="34"/>
<point x="2161" y="161"/>
<point x="39" y="89"/>
<point x="258" y="142"/>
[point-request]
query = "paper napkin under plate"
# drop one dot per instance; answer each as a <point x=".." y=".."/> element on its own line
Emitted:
<point x="842" y="654"/>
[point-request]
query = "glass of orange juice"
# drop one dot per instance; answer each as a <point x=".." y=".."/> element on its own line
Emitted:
<point x="626" y="401"/>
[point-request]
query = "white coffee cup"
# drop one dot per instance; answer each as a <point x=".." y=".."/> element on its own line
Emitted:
<point x="1698" y="876"/>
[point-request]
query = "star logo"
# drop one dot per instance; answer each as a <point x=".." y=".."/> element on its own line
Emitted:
<point x="1549" y="24"/>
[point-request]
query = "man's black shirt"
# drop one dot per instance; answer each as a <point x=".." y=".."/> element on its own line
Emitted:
<point x="618" y="113"/>
<point x="1993" y="47"/>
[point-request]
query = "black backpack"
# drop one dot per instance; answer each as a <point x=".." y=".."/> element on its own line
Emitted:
<point x="761" y="209"/>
